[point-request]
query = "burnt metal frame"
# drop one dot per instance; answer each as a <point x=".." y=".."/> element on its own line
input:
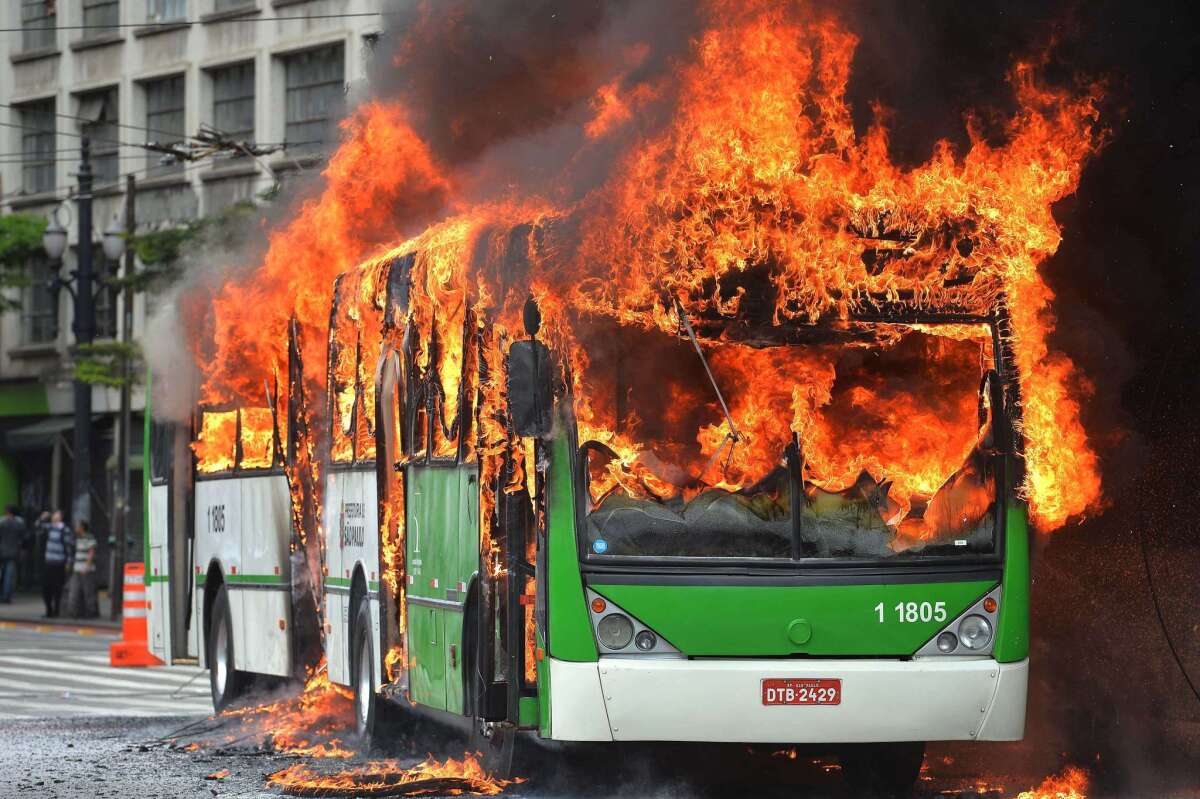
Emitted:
<point x="1006" y="447"/>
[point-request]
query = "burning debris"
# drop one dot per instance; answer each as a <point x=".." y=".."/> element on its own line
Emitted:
<point x="389" y="778"/>
<point x="1072" y="783"/>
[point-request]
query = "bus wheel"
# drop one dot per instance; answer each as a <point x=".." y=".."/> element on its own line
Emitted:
<point x="226" y="682"/>
<point x="494" y="743"/>
<point x="885" y="770"/>
<point x="362" y="657"/>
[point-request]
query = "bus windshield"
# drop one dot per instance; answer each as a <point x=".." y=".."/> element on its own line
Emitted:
<point x="873" y="445"/>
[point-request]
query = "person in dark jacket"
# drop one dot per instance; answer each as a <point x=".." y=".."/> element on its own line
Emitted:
<point x="13" y="535"/>
<point x="60" y="550"/>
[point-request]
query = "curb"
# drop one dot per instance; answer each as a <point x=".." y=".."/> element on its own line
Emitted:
<point x="48" y="626"/>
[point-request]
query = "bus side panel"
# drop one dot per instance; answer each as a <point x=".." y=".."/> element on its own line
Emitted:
<point x="370" y="564"/>
<point x="336" y="586"/>
<point x="570" y="630"/>
<point x="158" y="617"/>
<point x="218" y="526"/>
<point x="264" y="583"/>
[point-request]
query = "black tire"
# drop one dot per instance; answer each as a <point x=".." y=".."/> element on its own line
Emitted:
<point x="226" y="682"/>
<point x="362" y="659"/>
<point x="883" y="770"/>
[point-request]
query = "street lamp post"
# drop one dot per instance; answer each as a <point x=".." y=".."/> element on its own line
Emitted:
<point x="54" y="241"/>
<point x="114" y="248"/>
<point x="85" y="330"/>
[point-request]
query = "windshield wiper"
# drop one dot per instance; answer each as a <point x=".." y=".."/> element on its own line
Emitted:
<point x="733" y="435"/>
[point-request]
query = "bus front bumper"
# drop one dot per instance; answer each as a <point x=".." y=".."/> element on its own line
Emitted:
<point x="648" y="699"/>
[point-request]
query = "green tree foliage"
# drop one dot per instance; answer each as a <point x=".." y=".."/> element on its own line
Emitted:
<point x="20" y="240"/>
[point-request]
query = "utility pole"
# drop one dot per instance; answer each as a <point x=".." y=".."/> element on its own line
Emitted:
<point x="84" y="326"/>
<point x="121" y="517"/>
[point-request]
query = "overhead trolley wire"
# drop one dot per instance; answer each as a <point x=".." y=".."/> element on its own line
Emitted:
<point x="190" y="22"/>
<point x="23" y="110"/>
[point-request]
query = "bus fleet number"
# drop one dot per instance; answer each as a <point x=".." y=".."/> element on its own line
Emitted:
<point x="216" y="518"/>
<point x="913" y="612"/>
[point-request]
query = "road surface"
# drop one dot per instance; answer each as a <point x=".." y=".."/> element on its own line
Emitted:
<point x="71" y="726"/>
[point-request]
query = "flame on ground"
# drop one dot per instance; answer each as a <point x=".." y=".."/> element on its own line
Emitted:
<point x="310" y="724"/>
<point x="389" y="777"/>
<point x="1072" y="783"/>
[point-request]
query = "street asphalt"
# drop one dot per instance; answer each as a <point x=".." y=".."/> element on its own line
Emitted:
<point x="105" y="740"/>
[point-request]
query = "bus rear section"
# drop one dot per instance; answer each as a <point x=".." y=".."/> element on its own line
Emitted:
<point x="242" y="600"/>
<point x="808" y="542"/>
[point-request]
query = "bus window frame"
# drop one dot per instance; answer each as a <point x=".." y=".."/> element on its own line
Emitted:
<point x="1007" y="463"/>
<point x="237" y="470"/>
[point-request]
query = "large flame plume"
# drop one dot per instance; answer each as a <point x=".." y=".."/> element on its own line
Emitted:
<point x="737" y="167"/>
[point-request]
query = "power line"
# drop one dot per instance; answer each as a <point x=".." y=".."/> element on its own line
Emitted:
<point x="145" y="146"/>
<point x="26" y="110"/>
<point x="71" y="187"/>
<point x="190" y="22"/>
<point x="69" y="133"/>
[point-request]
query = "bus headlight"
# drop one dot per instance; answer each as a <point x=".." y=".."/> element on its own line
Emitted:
<point x="975" y="632"/>
<point x="645" y="640"/>
<point x="615" y="631"/>
<point x="947" y="642"/>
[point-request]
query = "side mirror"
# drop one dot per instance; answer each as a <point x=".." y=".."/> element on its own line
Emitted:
<point x="529" y="395"/>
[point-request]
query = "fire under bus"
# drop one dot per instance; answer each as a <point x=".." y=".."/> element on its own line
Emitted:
<point x="493" y="556"/>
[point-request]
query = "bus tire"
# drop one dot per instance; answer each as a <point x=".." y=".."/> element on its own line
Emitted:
<point x="226" y="682"/>
<point x="362" y="657"/>
<point x="883" y="770"/>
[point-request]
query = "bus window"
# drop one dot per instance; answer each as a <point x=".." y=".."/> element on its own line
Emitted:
<point x="162" y="440"/>
<point x="216" y="443"/>
<point x="892" y="460"/>
<point x="257" y="438"/>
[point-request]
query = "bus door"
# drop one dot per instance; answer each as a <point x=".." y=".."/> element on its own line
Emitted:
<point x="158" y="536"/>
<point x="442" y="553"/>
<point x="168" y="546"/>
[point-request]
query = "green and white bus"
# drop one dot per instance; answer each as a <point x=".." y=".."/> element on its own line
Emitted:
<point x="491" y="560"/>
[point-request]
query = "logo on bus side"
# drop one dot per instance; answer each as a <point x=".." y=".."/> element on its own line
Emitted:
<point x="353" y="526"/>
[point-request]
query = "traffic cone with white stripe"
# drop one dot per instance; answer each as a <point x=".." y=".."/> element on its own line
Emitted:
<point x="133" y="649"/>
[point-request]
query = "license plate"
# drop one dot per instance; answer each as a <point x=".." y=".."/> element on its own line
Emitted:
<point x="801" y="691"/>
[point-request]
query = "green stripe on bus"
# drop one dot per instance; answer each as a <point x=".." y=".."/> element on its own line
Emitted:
<point x="265" y="579"/>
<point x="570" y="629"/>
<point x="1012" y="628"/>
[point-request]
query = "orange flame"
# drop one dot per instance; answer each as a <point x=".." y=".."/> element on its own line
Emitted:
<point x="1072" y="783"/>
<point x="388" y="777"/>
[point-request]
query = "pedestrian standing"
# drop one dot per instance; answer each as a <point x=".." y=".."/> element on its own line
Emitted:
<point x="12" y="541"/>
<point x="81" y="591"/>
<point x="60" y="550"/>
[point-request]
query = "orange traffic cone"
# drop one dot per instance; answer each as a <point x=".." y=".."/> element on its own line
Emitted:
<point x="133" y="649"/>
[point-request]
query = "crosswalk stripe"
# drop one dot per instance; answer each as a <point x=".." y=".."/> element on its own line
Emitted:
<point x="25" y="687"/>
<point x="61" y="664"/>
<point x="84" y="679"/>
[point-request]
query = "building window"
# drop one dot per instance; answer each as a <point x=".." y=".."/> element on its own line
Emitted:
<point x="230" y="5"/>
<point x="39" y="303"/>
<point x="314" y="94"/>
<point x="98" y="120"/>
<point x="233" y="101"/>
<point x="164" y="119"/>
<point x="106" y="295"/>
<point x="165" y="10"/>
<point x="100" y="17"/>
<point x="37" y="146"/>
<point x="38" y="22"/>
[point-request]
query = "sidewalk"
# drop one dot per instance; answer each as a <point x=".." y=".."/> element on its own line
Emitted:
<point x="29" y="609"/>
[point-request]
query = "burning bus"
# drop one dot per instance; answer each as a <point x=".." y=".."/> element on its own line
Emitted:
<point x="718" y="526"/>
<point x="739" y="443"/>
